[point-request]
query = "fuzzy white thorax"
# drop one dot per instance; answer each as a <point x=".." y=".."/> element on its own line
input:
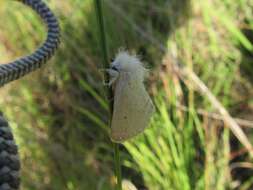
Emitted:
<point x="125" y="62"/>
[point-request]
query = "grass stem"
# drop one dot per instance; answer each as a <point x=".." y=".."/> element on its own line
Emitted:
<point x="104" y="51"/>
<point x="117" y="166"/>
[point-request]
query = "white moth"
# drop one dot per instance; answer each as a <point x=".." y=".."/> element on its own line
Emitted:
<point x="132" y="108"/>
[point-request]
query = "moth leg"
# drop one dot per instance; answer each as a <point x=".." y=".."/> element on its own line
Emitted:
<point x="113" y="76"/>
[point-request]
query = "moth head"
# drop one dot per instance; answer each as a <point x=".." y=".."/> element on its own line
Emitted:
<point x="124" y="62"/>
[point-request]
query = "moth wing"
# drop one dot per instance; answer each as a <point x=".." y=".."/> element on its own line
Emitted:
<point x="132" y="108"/>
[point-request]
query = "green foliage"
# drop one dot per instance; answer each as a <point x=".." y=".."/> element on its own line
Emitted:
<point x="59" y="114"/>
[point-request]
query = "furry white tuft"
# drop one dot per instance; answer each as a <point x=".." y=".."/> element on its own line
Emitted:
<point x="130" y="63"/>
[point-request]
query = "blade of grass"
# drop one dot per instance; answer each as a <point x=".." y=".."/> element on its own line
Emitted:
<point x="99" y="12"/>
<point x="94" y="94"/>
<point x="92" y="117"/>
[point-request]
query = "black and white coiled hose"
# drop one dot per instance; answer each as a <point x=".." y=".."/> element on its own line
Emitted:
<point x="9" y="160"/>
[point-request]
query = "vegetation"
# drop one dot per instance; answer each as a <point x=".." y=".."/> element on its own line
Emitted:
<point x="59" y="114"/>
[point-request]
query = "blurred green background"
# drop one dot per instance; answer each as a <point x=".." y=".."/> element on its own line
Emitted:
<point x="59" y="114"/>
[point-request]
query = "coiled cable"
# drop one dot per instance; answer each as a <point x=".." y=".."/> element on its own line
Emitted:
<point x="22" y="66"/>
<point x="9" y="160"/>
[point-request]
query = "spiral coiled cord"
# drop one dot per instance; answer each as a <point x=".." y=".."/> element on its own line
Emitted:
<point x="27" y="64"/>
<point x="9" y="160"/>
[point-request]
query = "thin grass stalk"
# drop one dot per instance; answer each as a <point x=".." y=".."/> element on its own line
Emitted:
<point x="117" y="164"/>
<point x="104" y="51"/>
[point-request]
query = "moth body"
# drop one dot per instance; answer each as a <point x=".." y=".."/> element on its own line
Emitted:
<point x="132" y="108"/>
